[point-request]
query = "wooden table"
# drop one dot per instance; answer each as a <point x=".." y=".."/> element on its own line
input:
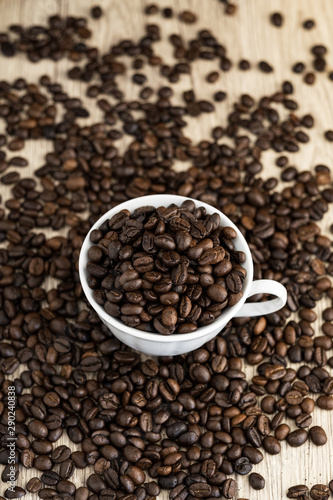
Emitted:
<point x="250" y="35"/>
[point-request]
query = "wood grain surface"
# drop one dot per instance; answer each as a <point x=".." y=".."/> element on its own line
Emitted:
<point x="248" y="34"/>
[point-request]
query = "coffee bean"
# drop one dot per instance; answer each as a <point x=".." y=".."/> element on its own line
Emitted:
<point x="297" y="438"/>
<point x="14" y="492"/>
<point x="255" y="456"/>
<point x="187" y="16"/>
<point x="318" y="435"/>
<point x="217" y="293"/>
<point x="293" y="397"/>
<point x="242" y="465"/>
<point x="303" y="420"/>
<point x="212" y="77"/>
<point x="200" y="490"/>
<point x="167" y="482"/>
<point x="308" y="24"/>
<point x="276" y="19"/>
<point x="331" y="486"/>
<point x="229" y="488"/>
<point x="325" y="402"/>
<point x="281" y="432"/>
<point x="329" y="135"/>
<point x="320" y="492"/>
<point x="265" y="67"/>
<point x="60" y="454"/>
<point x="298" y="67"/>
<point x="257" y="482"/>
<point x="66" y="469"/>
<point x="309" y="78"/>
<point x="219" y="96"/>
<point x="27" y="458"/>
<point x="151" y="9"/>
<point x="167" y="12"/>
<point x="43" y="463"/>
<point x="244" y="65"/>
<point x="10" y="473"/>
<point x="298" y="491"/>
<point x="50" y="478"/>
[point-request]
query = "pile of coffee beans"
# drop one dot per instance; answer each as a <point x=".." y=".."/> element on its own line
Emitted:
<point x="167" y="269"/>
<point x="182" y="424"/>
<point x="60" y="38"/>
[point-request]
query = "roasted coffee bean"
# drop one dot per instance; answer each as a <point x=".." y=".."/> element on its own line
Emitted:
<point x="325" y="402"/>
<point x="60" y="454"/>
<point x="165" y="269"/>
<point x="257" y="482"/>
<point x="331" y="486"/>
<point x="27" y="458"/>
<point x="272" y="445"/>
<point x="43" y="463"/>
<point x="265" y="67"/>
<point x="34" y="485"/>
<point x="276" y="19"/>
<point x="309" y="78"/>
<point x="229" y="488"/>
<point x="318" y="435"/>
<point x="281" y="432"/>
<point x="187" y="16"/>
<point x="298" y="491"/>
<point x="320" y="492"/>
<point x="293" y="397"/>
<point x="14" y="492"/>
<point x="297" y="438"/>
<point x="242" y="465"/>
<point x="38" y="429"/>
<point x="200" y="490"/>
<point x="308" y="24"/>
<point x="96" y="12"/>
<point x="50" y="478"/>
<point x="298" y="67"/>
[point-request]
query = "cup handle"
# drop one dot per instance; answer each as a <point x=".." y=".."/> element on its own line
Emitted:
<point x="262" y="308"/>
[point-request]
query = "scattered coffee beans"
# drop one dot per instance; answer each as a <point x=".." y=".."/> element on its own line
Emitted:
<point x="96" y="12"/>
<point x="186" y="16"/>
<point x="181" y="424"/>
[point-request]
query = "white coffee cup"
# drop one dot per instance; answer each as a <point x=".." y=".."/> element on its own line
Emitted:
<point x="171" y="345"/>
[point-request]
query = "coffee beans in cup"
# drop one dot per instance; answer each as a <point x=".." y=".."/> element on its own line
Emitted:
<point x="167" y="269"/>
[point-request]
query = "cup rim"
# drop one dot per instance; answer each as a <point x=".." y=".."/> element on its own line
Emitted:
<point x="157" y="200"/>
